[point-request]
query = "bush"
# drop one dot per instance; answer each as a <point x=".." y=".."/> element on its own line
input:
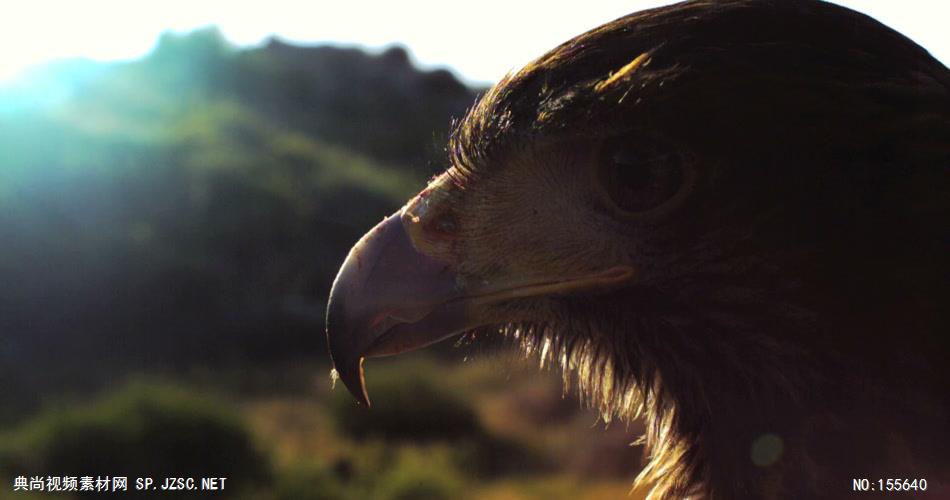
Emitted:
<point x="420" y="476"/>
<point x="414" y="403"/>
<point x="141" y="430"/>
<point x="410" y="402"/>
<point x="308" y="481"/>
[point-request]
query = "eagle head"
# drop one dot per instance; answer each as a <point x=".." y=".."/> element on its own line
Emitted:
<point x="728" y="218"/>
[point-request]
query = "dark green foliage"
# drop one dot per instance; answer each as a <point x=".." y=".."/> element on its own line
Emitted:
<point x="309" y="481"/>
<point x="492" y="456"/>
<point x="144" y="429"/>
<point x="408" y="404"/>
<point x="406" y="474"/>
<point x="417" y="476"/>
<point x="413" y="403"/>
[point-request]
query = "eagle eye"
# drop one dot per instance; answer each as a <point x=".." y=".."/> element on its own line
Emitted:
<point x="639" y="175"/>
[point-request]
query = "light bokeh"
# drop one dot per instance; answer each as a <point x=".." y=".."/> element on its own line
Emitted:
<point x="480" y="41"/>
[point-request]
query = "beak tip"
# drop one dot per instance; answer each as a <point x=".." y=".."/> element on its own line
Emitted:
<point x="354" y="380"/>
<point x="346" y="365"/>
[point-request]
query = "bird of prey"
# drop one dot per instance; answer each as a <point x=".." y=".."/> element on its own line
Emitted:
<point x="728" y="218"/>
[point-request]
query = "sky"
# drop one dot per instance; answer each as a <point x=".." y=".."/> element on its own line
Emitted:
<point x="479" y="40"/>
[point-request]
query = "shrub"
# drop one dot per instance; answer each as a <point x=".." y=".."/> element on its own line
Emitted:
<point x="141" y="430"/>
<point x="308" y="481"/>
<point x="410" y="402"/>
<point x="419" y="475"/>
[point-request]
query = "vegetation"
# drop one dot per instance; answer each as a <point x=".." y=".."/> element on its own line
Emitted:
<point x="181" y="218"/>
<point x="192" y="207"/>
<point x="434" y="412"/>
<point x="158" y="430"/>
<point x="290" y="446"/>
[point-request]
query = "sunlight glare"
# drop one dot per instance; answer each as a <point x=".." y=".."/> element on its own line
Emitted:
<point x="481" y="41"/>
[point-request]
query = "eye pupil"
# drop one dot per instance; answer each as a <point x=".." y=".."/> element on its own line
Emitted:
<point x="629" y="176"/>
<point x="639" y="175"/>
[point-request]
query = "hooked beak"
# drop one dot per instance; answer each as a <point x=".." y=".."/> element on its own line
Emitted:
<point x="384" y="302"/>
<point x="389" y="297"/>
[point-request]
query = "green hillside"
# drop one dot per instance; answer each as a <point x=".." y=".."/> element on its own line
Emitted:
<point x="194" y="205"/>
<point x="169" y="230"/>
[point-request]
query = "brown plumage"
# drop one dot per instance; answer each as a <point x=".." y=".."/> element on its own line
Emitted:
<point x="727" y="217"/>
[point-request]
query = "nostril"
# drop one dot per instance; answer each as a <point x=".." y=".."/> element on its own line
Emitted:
<point x="430" y="219"/>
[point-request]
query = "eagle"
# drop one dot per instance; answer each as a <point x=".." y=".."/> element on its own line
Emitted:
<point x="729" y="219"/>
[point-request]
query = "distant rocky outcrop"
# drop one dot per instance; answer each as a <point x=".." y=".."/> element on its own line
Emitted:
<point x="379" y="104"/>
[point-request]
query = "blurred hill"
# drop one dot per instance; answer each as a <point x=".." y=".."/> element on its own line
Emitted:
<point x="194" y="205"/>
